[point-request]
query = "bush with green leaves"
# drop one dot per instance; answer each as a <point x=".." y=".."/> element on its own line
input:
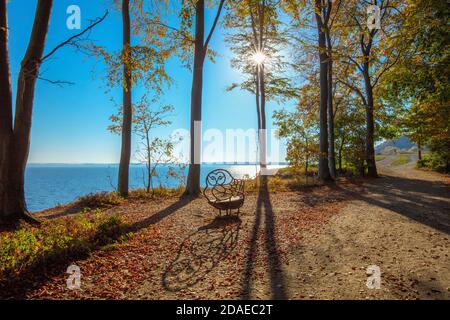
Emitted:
<point x="57" y="240"/>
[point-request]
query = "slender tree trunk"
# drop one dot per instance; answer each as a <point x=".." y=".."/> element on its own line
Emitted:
<point x="125" y="154"/>
<point x="263" y="133"/>
<point x="6" y="128"/>
<point x="257" y="96"/>
<point x="262" y="88"/>
<point x="306" y="161"/>
<point x="330" y="116"/>
<point x="13" y="205"/>
<point x="370" y="126"/>
<point x="258" y="105"/>
<point x="20" y="142"/>
<point x="419" y="149"/>
<point x="340" y="155"/>
<point x="149" y="162"/>
<point x="324" y="172"/>
<point x="193" y="180"/>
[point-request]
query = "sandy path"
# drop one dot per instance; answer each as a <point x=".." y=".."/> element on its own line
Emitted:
<point x="309" y="244"/>
<point x="400" y="222"/>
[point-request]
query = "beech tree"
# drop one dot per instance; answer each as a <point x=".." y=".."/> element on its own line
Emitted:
<point x="256" y="39"/>
<point x="141" y="62"/>
<point x="324" y="16"/>
<point x="301" y="129"/>
<point x="125" y="153"/>
<point x="419" y="80"/>
<point x="366" y="40"/>
<point x="322" y="12"/>
<point x="152" y="151"/>
<point x="15" y="139"/>
<point x="193" y="13"/>
<point x="15" y="131"/>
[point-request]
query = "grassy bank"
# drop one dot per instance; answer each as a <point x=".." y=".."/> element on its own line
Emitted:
<point x="57" y="241"/>
<point x="401" y="160"/>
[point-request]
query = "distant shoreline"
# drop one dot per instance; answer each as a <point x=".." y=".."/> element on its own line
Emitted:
<point x="138" y="164"/>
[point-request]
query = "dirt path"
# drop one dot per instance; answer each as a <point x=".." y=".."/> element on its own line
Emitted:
<point x="400" y="222"/>
<point x="310" y="244"/>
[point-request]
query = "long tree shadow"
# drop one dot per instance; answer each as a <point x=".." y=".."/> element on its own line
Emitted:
<point x="277" y="283"/>
<point x="427" y="202"/>
<point x="201" y="252"/>
<point x="155" y="218"/>
<point x="18" y="285"/>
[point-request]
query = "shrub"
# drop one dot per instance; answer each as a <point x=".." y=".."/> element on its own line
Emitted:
<point x="286" y="179"/>
<point x="159" y="192"/>
<point x="402" y="159"/>
<point x="56" y="240"/>
<point x="99" y="200"/>
<point x="434" y="162"/>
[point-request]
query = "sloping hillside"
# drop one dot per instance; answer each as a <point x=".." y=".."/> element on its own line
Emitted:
<point x="401" y="144"/>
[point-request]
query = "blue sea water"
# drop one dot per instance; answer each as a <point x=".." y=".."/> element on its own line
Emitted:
<point x="49" y="185"/>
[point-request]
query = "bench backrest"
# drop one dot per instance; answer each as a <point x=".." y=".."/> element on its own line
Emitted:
<point x="221" y="185"/>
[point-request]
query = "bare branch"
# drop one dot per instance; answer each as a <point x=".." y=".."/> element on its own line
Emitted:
<point x="385" y="69"/>
<point x="71" y="39"/>
<point x="354" y="89"/>
<point x="216" y="19"/>
<point x="59" y="83"/>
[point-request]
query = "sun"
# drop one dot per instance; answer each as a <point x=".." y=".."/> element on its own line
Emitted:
<point x="259" y="57"/>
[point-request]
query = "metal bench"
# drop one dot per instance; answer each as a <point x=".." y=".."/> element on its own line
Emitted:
<point x="223" y="191"/>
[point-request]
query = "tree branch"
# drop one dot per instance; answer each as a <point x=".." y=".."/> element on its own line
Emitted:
<point x="385" y="69"/>
<point x="355" y="89"/>
<point x="68" y="41"/>
<point x="59" y="83"/>
<point x="216" y="19"/>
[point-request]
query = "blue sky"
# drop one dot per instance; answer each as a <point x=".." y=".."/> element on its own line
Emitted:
<point x="70" y="123"/>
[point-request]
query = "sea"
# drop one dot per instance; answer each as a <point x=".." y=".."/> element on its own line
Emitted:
<point x="50" y="185"/>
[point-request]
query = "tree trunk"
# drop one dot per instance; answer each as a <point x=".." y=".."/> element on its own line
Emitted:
<point x="263" y="133"/>
<point x="125" y="154"/>
<point x="13" y="206"/>
<point x="330" y="116"/>
<point x="324" y="172"/>
<point x="340" y="156"/>
<point x="6" y="129"/>
<point x="370" y="126"/>
<point x="193" y="180"/>
<point x="419" y="149"/>
<point x="262" y="88"/>
<point x="149" y="161"/>
<point x="257" y="96"/>
<point x="258" y="106"/>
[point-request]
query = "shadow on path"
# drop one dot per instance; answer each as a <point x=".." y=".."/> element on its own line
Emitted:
<point x="201" y="252"/>
<point x="32" y="277"/>
<point x="155" y="218"/>
<point x="275" y="270"/>
<point x="427" y="202"/>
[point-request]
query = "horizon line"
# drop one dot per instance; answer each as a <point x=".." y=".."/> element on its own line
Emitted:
<point x="139" y="163"/>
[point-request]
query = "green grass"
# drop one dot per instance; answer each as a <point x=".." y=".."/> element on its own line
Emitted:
<point x="99" y="200"/>
<point x="401" y="160"/>
<point x="111" y="199"/>
<point x="379" y="157"/>
<point x="56" y="241"/>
